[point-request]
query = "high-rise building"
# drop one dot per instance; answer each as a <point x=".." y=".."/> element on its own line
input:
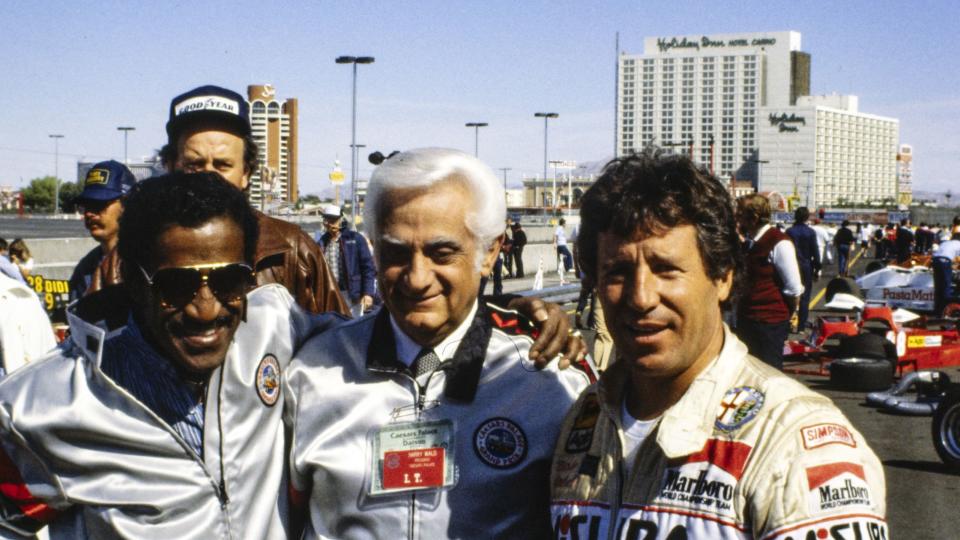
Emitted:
<point x="905" y="175"/>
<point x="701" y="94"/>
<point x="274" y="126"/>
<point x="823" y="152"/>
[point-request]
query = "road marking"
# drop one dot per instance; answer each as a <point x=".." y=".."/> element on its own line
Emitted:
<point x="823" y="291"/>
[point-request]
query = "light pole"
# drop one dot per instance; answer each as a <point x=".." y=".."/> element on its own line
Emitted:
<point x="355" y="151"/>
<point x="808" y="172"/>
<point x="759" y="163"/>
<point x="476" y="135"/>
<point x="553" y="197"/>
<point x="56" y="172"/>
<point x="546" y="116"/>
<point x="353" y="129"/>
<point x="126" y="130"/>
<point x="505" y="169"/>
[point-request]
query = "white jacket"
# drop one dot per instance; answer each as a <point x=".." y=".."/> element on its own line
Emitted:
<point x="747" y="452"/>
<point x="25" y="331"/>
<point x="86" y="456"/>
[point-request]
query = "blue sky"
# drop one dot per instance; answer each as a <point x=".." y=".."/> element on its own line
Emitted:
<point x="84" y="68"/>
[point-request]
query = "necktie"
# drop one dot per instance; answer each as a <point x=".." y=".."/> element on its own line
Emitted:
<point x="426" y="362"/>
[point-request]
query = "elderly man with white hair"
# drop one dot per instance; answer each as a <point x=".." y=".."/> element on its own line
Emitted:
<point x="427" y="419"/>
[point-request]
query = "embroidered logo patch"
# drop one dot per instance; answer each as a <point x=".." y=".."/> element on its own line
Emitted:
<point x="581" y="434"/>
<point x="268" y="380"/>
<point x="738" y="406"/>
<point x="500" y="443"/>
<point x="837" y="486"/>
<point x="824" y="434"/>
<point x="97" y="177"/>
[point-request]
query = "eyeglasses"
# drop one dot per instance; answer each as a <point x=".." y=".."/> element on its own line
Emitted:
<point x="178" y="286"/>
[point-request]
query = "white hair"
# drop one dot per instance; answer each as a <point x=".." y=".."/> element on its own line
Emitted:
<point x="424" y="167"/>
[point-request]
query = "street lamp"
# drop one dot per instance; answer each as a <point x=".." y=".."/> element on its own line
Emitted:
<point x="355" y="150"/>
<point x="126" y="130"/>
<point x="353" y="130"/>
<point x="759" y="163"/>
<point x="505" y="169"/>
<point x="56" y="172"/>
<point x="808" y="172"/>
<point x="553" y="197"/>
<point x="476" y="135"/>
<point x="546" y="116"/>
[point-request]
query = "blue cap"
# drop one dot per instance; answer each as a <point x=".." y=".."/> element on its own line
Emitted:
<point x="106" y="181"/>
<point x="208" y="104"/>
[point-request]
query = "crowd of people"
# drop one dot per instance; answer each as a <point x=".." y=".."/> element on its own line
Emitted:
<point x="228" y="376"/>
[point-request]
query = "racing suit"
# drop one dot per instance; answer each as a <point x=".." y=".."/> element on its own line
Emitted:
<point x="345" y="385"/>
<point x="745" y="453"/>
<point x="81" y="453"/>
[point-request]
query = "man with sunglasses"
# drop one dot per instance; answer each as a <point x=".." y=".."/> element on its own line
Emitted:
<point x="161" y="416"/>
<point x="100" y="202"/>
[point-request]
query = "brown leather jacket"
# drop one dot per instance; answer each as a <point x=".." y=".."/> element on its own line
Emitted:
<point x="285" y="255"/>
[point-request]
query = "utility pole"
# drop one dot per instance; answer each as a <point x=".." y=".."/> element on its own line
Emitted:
<point x="56" y="172"/>
<point x="505" y="169"/>
<point x="126" y="130"/>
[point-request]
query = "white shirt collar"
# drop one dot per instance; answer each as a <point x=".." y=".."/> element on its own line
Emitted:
<point x="761" y="232"/>
<point x="408" y="349"/>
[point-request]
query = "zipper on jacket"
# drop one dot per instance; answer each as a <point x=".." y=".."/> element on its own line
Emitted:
<point x="224" y="497"/>
<point x="615" y="506"/>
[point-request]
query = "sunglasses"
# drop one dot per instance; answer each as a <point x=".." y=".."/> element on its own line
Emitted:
<point x="178" y="286"/>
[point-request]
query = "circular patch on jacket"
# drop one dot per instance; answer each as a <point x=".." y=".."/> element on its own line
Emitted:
<point x="268" y="380"/>
<point x="500" y="443"/>
<point x="738" y="406"/>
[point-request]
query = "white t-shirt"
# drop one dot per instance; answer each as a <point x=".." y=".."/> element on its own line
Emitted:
<point x="634" y="433"/>
<point x="560" y="235"/>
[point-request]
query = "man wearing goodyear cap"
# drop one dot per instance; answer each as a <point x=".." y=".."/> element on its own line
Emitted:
<point x="209" y="130"/>
<point x="349" y="260"/>
<point x="100" y="202"/>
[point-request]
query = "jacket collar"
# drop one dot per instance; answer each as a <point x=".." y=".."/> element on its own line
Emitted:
<point x="685" y="426"/>
<point x="463" y="370"/>
<point x="271" y="240"/>
<point x="95" y="317"/>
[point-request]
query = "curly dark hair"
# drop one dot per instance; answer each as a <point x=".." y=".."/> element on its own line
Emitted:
<point x="169" y="153"/>
<point x="185" y="199"/>
<point x="653" y="190"/>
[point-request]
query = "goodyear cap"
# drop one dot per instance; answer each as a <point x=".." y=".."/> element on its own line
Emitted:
<point x="106" y="181"/>
<point x="209" y="104"/>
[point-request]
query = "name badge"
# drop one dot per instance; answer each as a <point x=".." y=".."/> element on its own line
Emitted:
<point x="412" y="456"/>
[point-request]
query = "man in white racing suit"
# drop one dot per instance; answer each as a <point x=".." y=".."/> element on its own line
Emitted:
<point x="165" y="419"/>
<point x="687" y="436"/>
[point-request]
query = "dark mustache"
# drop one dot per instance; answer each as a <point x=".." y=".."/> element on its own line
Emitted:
<point x="190" y="327"/>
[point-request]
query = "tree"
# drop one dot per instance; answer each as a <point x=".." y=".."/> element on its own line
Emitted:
<point x="38" y="196"/>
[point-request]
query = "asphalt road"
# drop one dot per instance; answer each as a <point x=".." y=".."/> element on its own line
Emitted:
<point x="12" y="227"/>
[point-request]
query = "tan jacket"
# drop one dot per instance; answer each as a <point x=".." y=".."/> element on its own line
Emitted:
<point x="747" y="452"/>
<point x="285" y="255"/>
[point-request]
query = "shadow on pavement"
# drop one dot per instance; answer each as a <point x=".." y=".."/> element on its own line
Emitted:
<point x="922" y="466"/>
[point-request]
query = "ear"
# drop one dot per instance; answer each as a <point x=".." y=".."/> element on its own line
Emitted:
<point x="724" y="286"/>
<point x="490" y="256"/>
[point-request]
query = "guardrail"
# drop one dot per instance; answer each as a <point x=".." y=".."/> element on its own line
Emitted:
<point x="560" y="294"/>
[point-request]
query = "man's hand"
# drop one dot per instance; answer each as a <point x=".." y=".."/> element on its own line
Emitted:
<point x="367" y="302"/>
<point x="556" y="334"/>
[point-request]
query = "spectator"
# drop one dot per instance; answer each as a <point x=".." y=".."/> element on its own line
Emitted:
<point x="904" y="242"/>
<point x="843" y="241"/>
<point x="565" y="259"/>
<point x="101" y="203"/>
<point x="506" y="252"/>
<point x="25" y="332"/>
<point x="519" y="242"/>
<point x="7" y="267"/>
<point x="944" y="258"/>
<point x="808" y="258"/>
<point x="878" y="244"/>
<point x="771" y="301"/>
<point x="20" y="256"/>
<point x="889" y="242"/>
<point x="349" y="261"/>
<point x="824" y="240"/>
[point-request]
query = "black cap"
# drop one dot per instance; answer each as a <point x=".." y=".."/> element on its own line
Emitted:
<point x="209" y="103"/>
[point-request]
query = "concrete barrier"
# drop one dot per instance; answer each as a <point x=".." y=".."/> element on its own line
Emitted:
<point x="54" y="258"/>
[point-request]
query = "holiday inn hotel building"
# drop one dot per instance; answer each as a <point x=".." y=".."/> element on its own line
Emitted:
<point x="701" y="94"/>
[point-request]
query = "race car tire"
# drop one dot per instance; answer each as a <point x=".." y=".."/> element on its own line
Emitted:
<point x="861" y="374"/>
<point x="866" y="345"/>
<point x="946" y="429"/>
<point x="873" y="266"/>
<point x="842" y="285"/>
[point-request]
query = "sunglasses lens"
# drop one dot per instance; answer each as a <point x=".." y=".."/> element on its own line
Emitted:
<point x="231" y="282"/>
<point x="177" y="286"/>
